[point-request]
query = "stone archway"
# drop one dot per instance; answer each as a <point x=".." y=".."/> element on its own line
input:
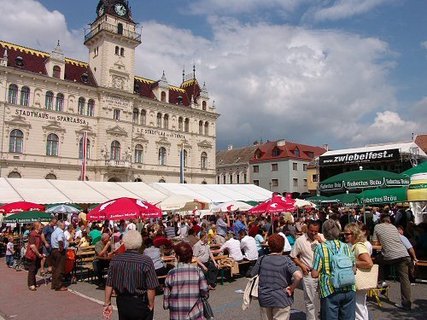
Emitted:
<point x="114" y="179"/>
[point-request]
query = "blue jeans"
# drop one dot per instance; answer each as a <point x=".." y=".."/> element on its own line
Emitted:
<point x="339" y="306"/>
<point x="9" y="261"/>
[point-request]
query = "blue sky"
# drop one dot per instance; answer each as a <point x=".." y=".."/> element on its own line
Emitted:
<point x="340" y="72"/>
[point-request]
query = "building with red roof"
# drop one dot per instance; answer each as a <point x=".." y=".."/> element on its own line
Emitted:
<point x="279" y="166"/>
<point x="57" y="110"/>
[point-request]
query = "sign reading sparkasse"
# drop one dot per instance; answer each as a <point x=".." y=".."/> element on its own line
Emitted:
<point x="359" y="157"/>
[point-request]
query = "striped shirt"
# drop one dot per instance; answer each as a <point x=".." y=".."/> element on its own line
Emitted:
<point x="132" y="273"/>
<point x="389" y="237"/>
<point x="322" y="263"/>
<point x="184" y="285"/>
<point x="275" y="274"/>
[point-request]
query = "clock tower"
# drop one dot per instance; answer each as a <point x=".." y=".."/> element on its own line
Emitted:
<point x="111" y="41"/>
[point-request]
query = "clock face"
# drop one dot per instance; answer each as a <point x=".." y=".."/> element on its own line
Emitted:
<point x="101" y="11"/>
<point x="120" y="9"/>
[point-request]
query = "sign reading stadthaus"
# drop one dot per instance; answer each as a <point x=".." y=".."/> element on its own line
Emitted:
<point x="359" y="157"/>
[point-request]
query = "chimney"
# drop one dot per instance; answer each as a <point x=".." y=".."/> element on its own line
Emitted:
<point x="326" y="147"/>
<point x="230" y="147"/>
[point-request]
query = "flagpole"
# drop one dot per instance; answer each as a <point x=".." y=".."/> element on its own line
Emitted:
<point x="84" y="156"/>
<point x="181" y="163"/>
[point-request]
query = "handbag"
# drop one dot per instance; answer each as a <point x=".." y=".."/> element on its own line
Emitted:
<point x="207" y="309"/>
<point x="254" y="289"/>
<point x="367" y="278"/>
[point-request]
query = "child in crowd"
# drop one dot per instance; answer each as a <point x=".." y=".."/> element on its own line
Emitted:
<point x="10" y="251"/>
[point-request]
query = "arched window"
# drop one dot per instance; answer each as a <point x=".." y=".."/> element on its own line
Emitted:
<point x="115" y="150"/>
<point x="137" y="180"/>
<point x="163" y="96"/>
<point x="14" y="175"/>
<point x="135" y="116"/>
<point x="185" y="158"/>
<point x="200" y="127"/>
<point x="143" y="118"/>
<point x="122" y="52"/>
<point x="91" y="108"/>
<point x="166" y="121"/>
<point x="187" y="125"/>
<point x="16" y="141"/>
<point x="204" y="160"/>
<point x="52" y="145"/>
<point x="120" y="28"/>
<point x="50" y="176"/>
<point x="159" y="120"/>
<point x="117" y="50"/>
<point x="206" y="128"/>
<point x="162" y="181"/>
<point x="12" y="96"/>
<point x="57" y="72"/>
<point x="25" y="96"/>
<point x="180" y="124"/>
<point x="81" y="148"/>
<point x="49" y="100"/>
<point x="138" y="153"/>
<point x="81" y="106"/>
<point x="162" y="156"/>
<point x="204" y="105"/>
<point x="59" y="105"/>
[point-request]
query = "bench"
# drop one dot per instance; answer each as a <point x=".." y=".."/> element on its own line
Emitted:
<point x="84" y="262"/>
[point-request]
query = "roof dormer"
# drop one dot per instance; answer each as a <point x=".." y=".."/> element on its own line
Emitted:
<point x="55" y="64"/>
<point x="161" y="91"/>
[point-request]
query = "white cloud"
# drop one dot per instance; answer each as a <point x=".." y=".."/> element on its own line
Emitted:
<point x="342" y="9"/>
<point x="424" y="44"/>
<point x="28" y="23"/>
<point x="387" y="126"/>
<point x="269" y="81"/>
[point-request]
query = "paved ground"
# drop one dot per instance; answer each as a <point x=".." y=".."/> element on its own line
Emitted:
<point x="83" y="302"/>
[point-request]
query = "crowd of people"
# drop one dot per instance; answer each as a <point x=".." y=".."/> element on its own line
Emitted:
<point x="285" y="251"/>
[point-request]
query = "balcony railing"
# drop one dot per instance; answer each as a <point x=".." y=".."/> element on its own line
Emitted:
<point x="113" y="29"/>
<point x="118" y="163"/>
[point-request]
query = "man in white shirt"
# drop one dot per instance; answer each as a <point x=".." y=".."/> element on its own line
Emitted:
<point x="131" y="226"/>
<point x="248" y="246"/>
<point x="302" y="255"/>
<point x="233" y="247"/>
<point x="287" y="247"/>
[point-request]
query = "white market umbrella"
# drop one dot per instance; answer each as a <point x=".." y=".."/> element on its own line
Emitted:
<point x="299" y="203"/>
<point x="182" y="202"/>
<point x="63" y="208"/>
<point x="232" y="206"/>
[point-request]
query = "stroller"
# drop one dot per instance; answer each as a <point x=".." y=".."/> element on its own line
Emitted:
<point x="19" y="257"/>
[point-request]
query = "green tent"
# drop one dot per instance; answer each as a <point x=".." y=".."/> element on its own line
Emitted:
<point x="420" y="168"/>
<point x="346" y="199"/>
<point x="28" y="217"/>
<point x="363" y="179"/>
<point x="317" y="199"/>
<point x="381" y="196"/>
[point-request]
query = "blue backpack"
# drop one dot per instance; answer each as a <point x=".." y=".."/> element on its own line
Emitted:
<point x="342" y="273"/>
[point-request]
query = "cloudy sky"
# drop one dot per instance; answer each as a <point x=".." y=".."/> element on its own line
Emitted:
<point x="337" y="72"/>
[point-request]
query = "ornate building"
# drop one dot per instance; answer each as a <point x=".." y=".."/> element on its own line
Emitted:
<point x="135" y="128"/>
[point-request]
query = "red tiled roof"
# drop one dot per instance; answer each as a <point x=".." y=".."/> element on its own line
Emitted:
<point x="192" y="89"/>
<point x="143" y="87"/>
<point x="34" y="61"/>
<point x="421" y="141"/>
<point x="286" y="150"/>
<point x="233" y="156"/>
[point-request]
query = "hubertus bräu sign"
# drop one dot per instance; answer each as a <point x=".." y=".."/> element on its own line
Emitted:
<point x="360" y="157"/>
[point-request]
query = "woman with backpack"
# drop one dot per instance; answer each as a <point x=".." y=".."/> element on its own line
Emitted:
<point x="355" y="236"/>
<point x="333" y="264"/>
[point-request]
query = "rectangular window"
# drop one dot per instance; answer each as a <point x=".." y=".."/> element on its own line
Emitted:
<point x="315" y="178"/>
<point x="305" y="182"/>
<point x="256" y="169"/>
<point x="238" y="178"/>
<point x="274" y="167"/>
<point x="116" y="114"/>
<point x="304" y="167"/>
<point x="245" y="178"/>
<point x="295" y="182"/>
<point x="256" y="182"/>
<point x="274" y="182"/>
<point x="295" y="166"/>
<point x="231" y="178"/>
